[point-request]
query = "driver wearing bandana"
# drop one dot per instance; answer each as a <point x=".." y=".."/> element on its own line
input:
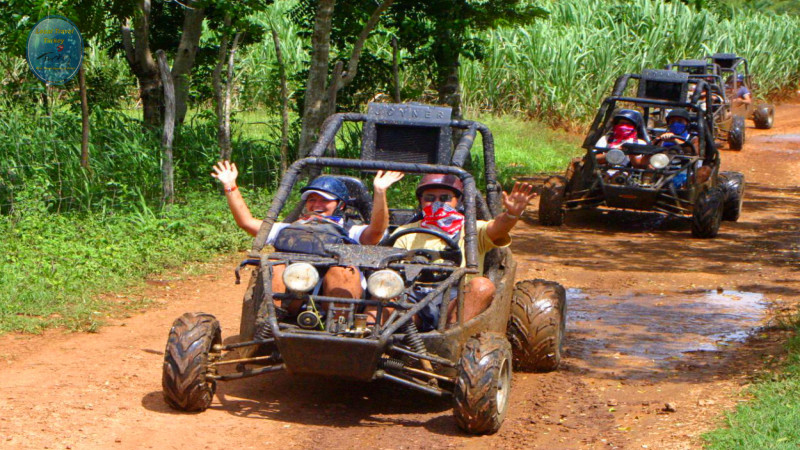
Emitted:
<point x="439" y="197"/>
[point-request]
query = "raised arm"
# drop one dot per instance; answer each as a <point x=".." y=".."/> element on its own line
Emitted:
<point x="380" y="210"/>
<point x="515" y="204"/>
<point x="226" y="173"/>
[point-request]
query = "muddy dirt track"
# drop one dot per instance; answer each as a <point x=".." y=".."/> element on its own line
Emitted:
<point x="655" y="317"/>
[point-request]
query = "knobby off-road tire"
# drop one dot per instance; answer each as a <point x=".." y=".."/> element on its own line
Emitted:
<point x="483" y="385"/>
<point x="551" y="202"/>
<point x="736" y="134"/>
<point x="186" y="361"/>
<point x="537" y="325"/>
<point x="732" y="184"/>
<point x="707" y="213"/>
<point x="764" y="117"/>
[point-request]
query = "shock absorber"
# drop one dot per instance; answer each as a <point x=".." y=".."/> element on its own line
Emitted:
<point x="264" y="331"/>
<point x="413" y="339"/>
<point x="392" y="364"/>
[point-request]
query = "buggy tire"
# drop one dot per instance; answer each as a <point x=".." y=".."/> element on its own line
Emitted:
<point x="551" y="202"/>
<point x="707" y="213"/>
<point x="733" y="189"/>
<point x="537" y="325"/>
<point x="736" y="134"/>
<point x="186" y="360"/>
<point x="482" y="389"/>
<point x="764" y="117"/>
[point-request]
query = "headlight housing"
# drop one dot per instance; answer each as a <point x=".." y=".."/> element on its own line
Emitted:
<point x="385" y="284"/>
<point x="616" y="157"/>
<point x="659" y="160"/>
<point x="300" y="277"/>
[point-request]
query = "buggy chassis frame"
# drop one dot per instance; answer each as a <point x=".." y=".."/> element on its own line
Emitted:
<point x="364" y="358"/>
<point x="662" y="197"/>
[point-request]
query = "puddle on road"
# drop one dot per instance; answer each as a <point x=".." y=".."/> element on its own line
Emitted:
<point x="781" y="143"/>
<point x="644" y="331"/>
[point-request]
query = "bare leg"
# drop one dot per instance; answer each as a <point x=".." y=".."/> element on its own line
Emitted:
<point x="478" y="295"/>
<point x="344" y="282"/>
<point x="278" y="287"/>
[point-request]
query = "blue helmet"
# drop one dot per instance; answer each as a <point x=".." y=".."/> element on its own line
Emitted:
<point x="740" y="78"/>
<point x="327" y="186"/>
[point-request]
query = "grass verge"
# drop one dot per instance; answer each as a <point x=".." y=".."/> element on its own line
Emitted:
<point x="56" y="265"/>
<point x="770" y="419"/>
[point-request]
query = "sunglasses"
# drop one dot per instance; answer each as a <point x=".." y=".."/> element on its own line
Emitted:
<point x="442" y="197"/>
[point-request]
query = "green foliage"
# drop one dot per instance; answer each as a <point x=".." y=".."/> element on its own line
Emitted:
<point x="559" y="70"/>
<point x="770" y="418"/>
<point x="54" y="265"/>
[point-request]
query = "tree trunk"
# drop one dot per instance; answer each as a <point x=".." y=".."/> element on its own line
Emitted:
<point x="184" y="59"/>
<point x="167" y="176"/>
<point x="284" y="102"/>
<point x="142" y="64"/>
<point x="219" y="101"/>
<point x="322" y="103"/>
<point x="317" y="77"/>
<point x="84" y="119"/>
<point x="395" y="70"/>
<point x="447" y="81"/>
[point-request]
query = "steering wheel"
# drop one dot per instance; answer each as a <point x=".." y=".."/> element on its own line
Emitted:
<point x="451" y="253"/>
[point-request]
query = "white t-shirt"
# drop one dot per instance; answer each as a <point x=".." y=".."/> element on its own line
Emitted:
<point x="354" y="233"/>
<point x="603" y="142"/>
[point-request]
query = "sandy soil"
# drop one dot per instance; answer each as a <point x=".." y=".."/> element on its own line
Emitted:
<point x="656" y="317"/>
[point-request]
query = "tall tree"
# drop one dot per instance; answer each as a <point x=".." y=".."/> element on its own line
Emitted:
<point x="141" y="22"/>
<point x="322" y="88"/>
<point x="438" y="33"/>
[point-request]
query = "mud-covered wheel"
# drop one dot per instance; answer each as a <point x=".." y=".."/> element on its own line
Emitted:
<point x="732" y="184"/>
<point x="707" y="213"/>
<point x="186" y="360"/>
<point x="551" y="202"/>
<point x="764" y="116"/>
<point x="736" y="133"/>
<point x="537" y="325"/>
<point x="483" y="384"/>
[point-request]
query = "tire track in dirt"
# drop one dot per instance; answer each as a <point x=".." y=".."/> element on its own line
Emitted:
<point x="103" y="390"/>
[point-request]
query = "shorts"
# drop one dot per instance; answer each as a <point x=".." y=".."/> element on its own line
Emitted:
<point x="429" y="315"/>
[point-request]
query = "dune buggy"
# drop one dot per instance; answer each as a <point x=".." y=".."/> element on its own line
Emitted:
<point x="728" y="127"/>
<point x="676" y="181"/>
<point x="471" y="361"/>
<point x="735" y="72"/>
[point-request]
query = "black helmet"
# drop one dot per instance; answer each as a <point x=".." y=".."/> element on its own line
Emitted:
<point x="630" y="115"/>
<point x="679" y="112"/>
<point x="329" y="187"/>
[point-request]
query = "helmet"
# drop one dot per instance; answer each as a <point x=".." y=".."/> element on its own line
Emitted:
<point x="630" y="115"/>
<point x="439" y="180"/>
<point x="740" y="78"/>
<point x="327" y="186"/>
<point x="679" y="112"/>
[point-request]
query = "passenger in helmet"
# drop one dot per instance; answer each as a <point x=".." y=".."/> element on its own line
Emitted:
<point x="738" y="91"/>
<point x="625" y="128"/>
<point x="677" y="134"/>
<point x="325" y="199"/>
<point x="439" y="196"/>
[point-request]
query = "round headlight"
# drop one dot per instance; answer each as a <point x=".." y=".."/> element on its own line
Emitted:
<point x="385" y="284"/>
<point x="300" y="277"/>
<point x="616" y="157"/>
<point x="659" y="160"/>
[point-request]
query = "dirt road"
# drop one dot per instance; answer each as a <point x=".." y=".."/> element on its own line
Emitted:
<point x="655" y="317"/>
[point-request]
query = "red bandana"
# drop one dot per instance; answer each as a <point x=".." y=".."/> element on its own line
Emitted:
<point x="442" y="217"/>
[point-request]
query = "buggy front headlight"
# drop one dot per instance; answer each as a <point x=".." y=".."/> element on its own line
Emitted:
<point x="659" y="160"/>
<point x="616" y="157"/>
<point x="385" y="284"/>
<point x="300" y="277"/>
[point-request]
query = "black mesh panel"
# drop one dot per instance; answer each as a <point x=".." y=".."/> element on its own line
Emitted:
<point x="409" y="144"/>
